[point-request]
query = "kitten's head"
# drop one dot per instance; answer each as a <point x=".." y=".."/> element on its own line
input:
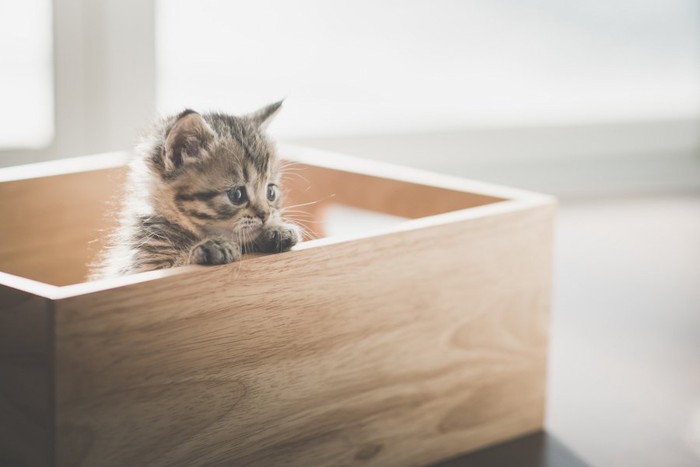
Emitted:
<point x="216" y="172"/>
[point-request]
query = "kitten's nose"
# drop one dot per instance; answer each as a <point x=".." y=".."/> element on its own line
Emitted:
<point x="263" y="215"/>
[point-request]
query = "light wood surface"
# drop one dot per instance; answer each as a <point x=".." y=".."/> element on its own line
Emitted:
<point x="26" y="398"/>
<point x="401" y="352"/>
<point x="52" y="227"/>
<point x="314" y="188"/>
<point x="399" y="347"/>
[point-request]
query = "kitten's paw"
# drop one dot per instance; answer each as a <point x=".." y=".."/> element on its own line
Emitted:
<point x="215" y="251"/>
<point x="278" y="238"/>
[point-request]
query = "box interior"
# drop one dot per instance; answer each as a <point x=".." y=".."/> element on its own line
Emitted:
<point x="53" y="227"/>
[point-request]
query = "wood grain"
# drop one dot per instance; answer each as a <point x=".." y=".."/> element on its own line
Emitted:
<point x="52" y="227"/>
<point x="26" y="397"/>
<point x="401" y="351"/>
<point x="315" y="188"/>
<point x="402" y="348"/>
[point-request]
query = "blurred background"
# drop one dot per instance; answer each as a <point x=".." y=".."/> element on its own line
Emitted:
<point x="594" y="101"/>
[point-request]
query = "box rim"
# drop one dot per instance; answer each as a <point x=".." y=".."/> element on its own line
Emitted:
<point x="513" y="199"/>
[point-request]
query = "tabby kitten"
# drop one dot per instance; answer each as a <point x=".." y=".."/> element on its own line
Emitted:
<point x="203" y="189"/>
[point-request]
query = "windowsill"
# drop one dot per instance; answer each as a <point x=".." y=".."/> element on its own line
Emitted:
<point x="587" y="160"/>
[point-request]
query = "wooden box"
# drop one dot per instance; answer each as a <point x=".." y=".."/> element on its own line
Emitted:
<point x="400" y="345"/>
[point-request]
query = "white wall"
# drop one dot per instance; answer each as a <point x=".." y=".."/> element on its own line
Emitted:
<point x="545" y="94"/>
<point x="368" y="67"/>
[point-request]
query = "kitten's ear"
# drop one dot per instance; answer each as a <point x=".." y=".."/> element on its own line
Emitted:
<point x="264" y="116"/>
<point x="187" y="141"/>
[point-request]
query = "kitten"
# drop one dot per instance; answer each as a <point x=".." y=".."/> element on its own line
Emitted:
<point x="203" y="189"/>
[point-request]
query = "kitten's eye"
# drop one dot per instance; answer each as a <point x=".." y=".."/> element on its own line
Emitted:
<point x="271" y="192"/>
<point x="237" y="195"/>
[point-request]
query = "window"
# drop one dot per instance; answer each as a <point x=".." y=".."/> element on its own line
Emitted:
<point x="368" y="67"/>
<point x="26" y="74"/>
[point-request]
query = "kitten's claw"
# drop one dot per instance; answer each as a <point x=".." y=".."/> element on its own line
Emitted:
<point x="215" y="251"/>
<point x="278" y="238"/>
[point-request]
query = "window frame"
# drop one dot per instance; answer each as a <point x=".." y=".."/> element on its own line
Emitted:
<point x="99" y="50"/>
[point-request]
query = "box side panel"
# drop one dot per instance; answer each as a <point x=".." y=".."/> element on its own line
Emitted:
<point x="315" y="188"/>
<point x="52" y="226"/>
<point x="402" y="349"/>
<point x="26" y="394"/>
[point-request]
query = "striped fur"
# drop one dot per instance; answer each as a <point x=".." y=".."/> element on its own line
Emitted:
<point x="180" y="205"/>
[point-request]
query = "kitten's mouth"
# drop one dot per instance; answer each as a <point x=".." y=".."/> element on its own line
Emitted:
<point x="248" y="225"/>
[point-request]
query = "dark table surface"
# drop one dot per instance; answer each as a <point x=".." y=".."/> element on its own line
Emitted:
<point x="536" y="450"/>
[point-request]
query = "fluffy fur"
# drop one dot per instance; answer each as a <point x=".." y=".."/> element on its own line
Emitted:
<point x="202" y="189"/>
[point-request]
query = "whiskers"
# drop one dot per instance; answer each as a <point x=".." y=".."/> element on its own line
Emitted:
<point x="310" y="203"/>
<point x="302" y="220"/>
<point x="308" y="223"/>
<point x="246" y="235"/>
<point x="246" y="230"/>
<point x="291" y="170"/>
